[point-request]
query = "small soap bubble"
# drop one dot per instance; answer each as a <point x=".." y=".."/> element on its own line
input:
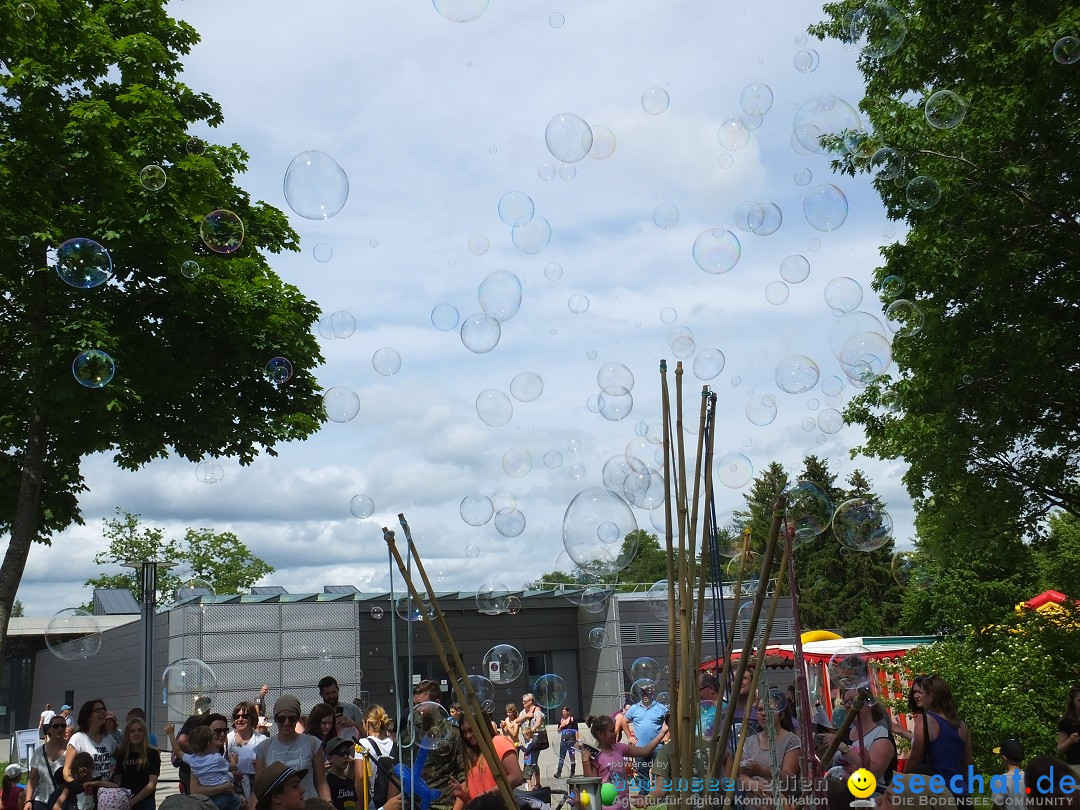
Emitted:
<point x="756" y="98"/>
<point x="500" y="294"/>
<point x="567" y="172"/>
<point x="190" y="269"/>
<point x="666" y="216"/>
<point x="814" y="245"/>
<point x="944" y="109"/>
<point x="733" y="133"/>
<point x="517" y="462"/>
<point x="655" y="100"/>
<point x="825" y="207"/>
<point x="553" y="459"/>
<point x="373" y="243"/>
<point x="444" y="317"/>
<point x="795" y="268"/>
<point x="152" y="177"/>
<point x="509" y="522"/>
<point x="195" y="146"/>
<point x="361" y="506"/>
<point x="843" y="294"/>
<point x="526" y="387"/>
<point x="553" y="271"/>
<point x="806" y="60"/>
<point x="878" y="29"/>
<point x="208" y="472"/>
<point x="568" y="137"/>
<point x="532" y="236"/>
<point x="923" y="193"/>
<point x="386" y="361"/>
<point x="1067" y="51"/>
<point x="708" y="364"/>
<point x="802" y="177"/>
<point x="476" y="510"/>
<point x="341" y="404"/>
<point x="717" y="250"/>
<point x="777" y="293"/>
<point x="887" y="163"/>
<point x="515" y="207"/>
<point x="761" y="410"/>
<point x="576" y="471"/>
<point x="472" y="551"/>
<point x="603" y="145"/>
<point x="27" y="11"/>
<point x="494" y="408"/>
<point x="93" y="368"/>
<point x="578" y="303"/>
<point x="904" y="317"/>
<point x="556" y="20"/>
<point x="668" y="315"/>
<point x="725" y="161"/>
<point x="222" y="231"/>
<point x="480" y="333"/>
<point x="322" y="252"/>
<point x="342" y="324"/>
<point x="734" y="470"/>
<point x="597" y="637"/>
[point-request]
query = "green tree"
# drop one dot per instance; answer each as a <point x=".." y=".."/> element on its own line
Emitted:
<point x="1055" y="556"/>
<point x="82" y="115"/>
<point x="221" y="560"/>
<point x="1009" y="679"/>
<point x="17" y="609"/>
<point x="983" y="408"/>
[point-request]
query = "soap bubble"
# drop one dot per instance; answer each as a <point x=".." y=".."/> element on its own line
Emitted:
<point x="589" y="509"/>
<point x="343" y="324"/>
<point x="750" y="563"/>
<point x="376" y="612"/>
<point x="444" y="317"/>
<point x="515" y="207"/>
<point x="944" y="109"/>
<point x="717" y="250"/>
<point x="556" y="20"/>
<point x="830" y="421"/>
<point x="802" y="177"/>
<point x="83" y="263"/>
<point x="322" y="252"/>
<point x="460" y="11"/>
<point x="195" y="146"/>
<point x="923" y="193"/>
<point x="843" y="294"/>
<point x="549" y="691"/>
<point x="408" y="609"/>
<point x="756" y="98"/>
<point x="886" y="163"/>
<point x="341" y="404"/>
<point x="761" y="410"/>
<point x="386" y="361"/>
<point x="646" y="668"/>
<point x="597" y="637"/>
<point x="207" y="472"/>
<point x="615" y="375"/>
<point x="708" y="364"/>
<point x="825" y="207"/>
<point x="777" y="292"/>
<point x="428" y="726"/>
<point x="568" y="137"/>
<point x="553" y="271"/>
<point x="764" y="218"/>
<point x="361" y="506"/>
<point x="734" y="470"/>
<point x="794" y="268"/>
<point x="492" y="598"/>
<point x="479" y="245"/>
<point x="509" y="522"/>
<point x="533" y="236"/>
<point x="93" y="368"/>
<point x="517" y="462"/>
<point x="27" y="11"/>
<point x="870" y="349"/>
<point x="72" y="634"/>
<point x="806" y="60"/>
<point x="892" y="286"/>
<point x="578" y="303"/>
<point x="494" y="407"/>
<point x="279" y="370"/>
<point x="733" y="134"/>
<point x="190" y="269"/>
<point x="796" y="373"/>
<point x="503" y="663"/>
<point x="152" y="177"/>
<point x="809" y="508"/>
<point x="725" y="161"/>
<point x="481" y="687"/>
<point x="576" y="471"/>
<point x="848" y="326"/>
<point x="615" y="403"/>
<point x="655" y="100"/>
<point x="904" y="317"/>
<point x="821" y="116"/>
<point x="669" y="315"/>
<point x="832" y="385"/>
<point x="1067" y="51"/>
<point x="526" y="387"/>
<point x="878" y="30"/>
<point x="500" y="295"/>
<point x="911" y="569"/>
<point x="603" y="145"/>
<point x="316" y="187"/>
<point x="862" y="524"/>
<point x="476" y="510"/>
<point x="222" y="231"/>
<point x="480" y="333"/>
<point x="186" y="687"/>
<point x="666" y="216"/>
<point x="641" y="488"/>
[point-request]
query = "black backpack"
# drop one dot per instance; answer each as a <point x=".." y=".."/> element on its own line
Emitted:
<point x="384" y="773"/>
<point x="59" y="785"/>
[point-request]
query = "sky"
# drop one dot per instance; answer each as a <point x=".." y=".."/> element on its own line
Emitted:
<point x="433" y="122"/>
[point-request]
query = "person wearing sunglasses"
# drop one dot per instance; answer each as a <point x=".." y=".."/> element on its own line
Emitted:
<point x="47" y="758"/>
<point x="300" y="752"/>
<point x="241" y="744"/>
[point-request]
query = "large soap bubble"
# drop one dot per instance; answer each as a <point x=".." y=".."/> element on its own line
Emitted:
<point x="361" y="506"/>
<point x="615" y="403"/>
<point x="944" y="109"/>
<point x="93" y="368"/>
<point x="823" y="116"/>
<point x="428" y="726"/>
<point x="843" y="294"/>
<point x="761" y="409"/>
<point x="708" y="363"/>
<point x="604" y="143"/>
<point x="517" y="462"/>
<point x="222" y="231"/>
<point x="615" y="375"/>
<point x="187" y="686"/>
<point x="316" y="187"/>
<point x="887" y="163"/>
<point x="444" y="317"/>
<point x="923" y="193"/>
<point x="494" y="407"/>
<point x="846" y="327"/>
<point x="515" y="207"/>
<point x="568" y="137"/>
<point x="911" y="569"/>
<point x="72" y="634"/>
<point x="386" y="361"/>
<point x="734" y="470"/>
<point x="341" y="404"/>
<point x="492" y="598"/>
<point x="904" y="317"/>
<point x="862" y="524"/>
<point x="481" y="687"/>
<point x="526" y="387"/>
<point x="809" y="508"/>
<point x="480" y="333"/>
<point x="825" y="207"/>
<point x="588" y="511"/>
<point x="733" y="134"/>
<point x="500" y="295"/>
<point x="509" y="522"/>
<point x="533" y="236"/>
<point x="549" y="691"/>
<point x="794" y="268"/>
<point x="645" y="667"/>
<point x="878" y="29"/>
<point x="476" y="509"/>
<point x="717" y="250"/>
<point x="460" y="11"/>
<point x="1067" y="51"/>
<point x="503" y="663"/>
<point x="83" y="263"/>
<point x="796" y="373"/>
<point x="756" y="98"/>
<point x="655" y="100"/>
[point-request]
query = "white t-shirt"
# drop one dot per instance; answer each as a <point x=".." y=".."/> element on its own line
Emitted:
<point x="381" y="748"/>
<point x="303" y="752"/>
<point x="46" y="768"/>
<point x="102" y="752"/>
<point x="46" y="716"/>
<point x="245" y="751"/>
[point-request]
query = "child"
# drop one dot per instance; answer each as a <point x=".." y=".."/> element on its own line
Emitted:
<point x="1014" y="796"/>
<point x="14" y="794"/>
<point x="343" y="791"/>
<point x="610" y="762"/>
<point x="79" y="793"/>
<point x="208" y="765"/>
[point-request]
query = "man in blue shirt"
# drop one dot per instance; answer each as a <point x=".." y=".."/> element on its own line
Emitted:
<point x="647" y="718"/>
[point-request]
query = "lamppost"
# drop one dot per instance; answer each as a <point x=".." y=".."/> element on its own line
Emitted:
<point x="148" y="570"/>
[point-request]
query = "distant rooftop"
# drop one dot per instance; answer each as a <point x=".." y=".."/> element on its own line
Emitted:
<point x="114" y="602"/>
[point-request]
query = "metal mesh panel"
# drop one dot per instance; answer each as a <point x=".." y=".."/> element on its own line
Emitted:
<point x="298" y="672"/>
<point x="192" y="618"/>
<point x="192" y="645"/>
<point x="247" y="675"/>
<point x="315" y="615"/>
<point x="241" y="646"/>
<point x="230" y="618"/>
<point x="325" y="643"/>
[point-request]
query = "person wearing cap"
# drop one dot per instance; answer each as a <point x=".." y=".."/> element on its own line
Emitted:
<point x="300" y="752"/>
<point x="1008" y="788"/>
<point x="279" y="787"/>
<point x="65" y="712"/>
<point x="343" y="791"/>
<point x="13" y="793"/>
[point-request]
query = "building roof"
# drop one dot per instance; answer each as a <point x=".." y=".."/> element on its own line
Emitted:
<point x="114" y="602"/>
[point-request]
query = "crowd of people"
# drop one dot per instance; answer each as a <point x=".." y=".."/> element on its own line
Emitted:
<point x="337" y="756"/>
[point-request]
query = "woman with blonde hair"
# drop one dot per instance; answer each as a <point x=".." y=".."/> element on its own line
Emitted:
<point x="138" y="765"/>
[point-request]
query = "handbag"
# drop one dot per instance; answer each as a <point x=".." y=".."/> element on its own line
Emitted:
<point x="540" y="735"/>
<point x="113" y="799"/>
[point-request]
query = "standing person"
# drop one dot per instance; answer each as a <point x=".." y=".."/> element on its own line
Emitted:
<point x="1068" y="736"/>
<point x="443" y="762"/>
<point x="301" y="752"/>
<point x="478" y="777"/>
<point x="65" y="712"/>
<point x="241" y="742"/>
<point x="534" y="730"/>
<point x="378" y="746"/>
<point x="260" y="704"/>
<point x="609" y="763"/>
<point x="43" y="722"/>
<point x="940" y="738"/>
<point x="138" y="765"/>
<point x="647" y="719"/>
<point x="47" y="759"/>
<point x="1014" y="797"/>
<point x="343" y="790"/>
<point x="91" y="739"/>
<point x="510" y="726"/>
<point x="352" y="716"/>
<point x="568" y="728"/>
<point x="622" y="725"/>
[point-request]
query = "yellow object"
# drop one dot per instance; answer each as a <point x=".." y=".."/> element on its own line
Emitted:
<point x="861" y="783"/>
<point x="584" y="799"/>
<point x="818" y="635"/>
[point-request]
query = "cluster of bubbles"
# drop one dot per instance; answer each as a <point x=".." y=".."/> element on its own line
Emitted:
<point x="209" y="472"/>
<point x="614" y="400"/>
<point x="279" y="370"/>
<point x="338" y="325"/>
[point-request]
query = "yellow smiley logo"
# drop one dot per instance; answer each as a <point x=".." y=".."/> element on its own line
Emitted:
<point x="861" y="783"/>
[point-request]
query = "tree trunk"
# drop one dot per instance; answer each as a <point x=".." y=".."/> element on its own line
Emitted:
<point x="24" y="525"/>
